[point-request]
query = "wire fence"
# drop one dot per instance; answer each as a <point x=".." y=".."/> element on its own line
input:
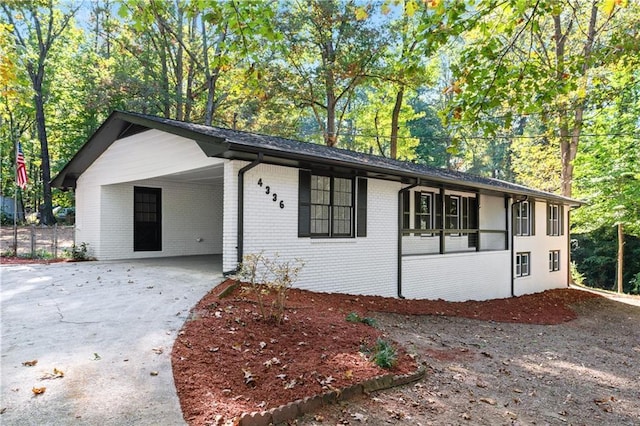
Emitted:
<point x="37" y="240"/>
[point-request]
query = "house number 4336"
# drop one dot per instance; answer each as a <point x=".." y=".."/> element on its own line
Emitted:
<point x="267" y="190"/>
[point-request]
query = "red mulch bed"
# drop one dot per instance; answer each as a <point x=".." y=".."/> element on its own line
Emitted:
<point x="228" y="360"/>
<point x="14" y="260"/>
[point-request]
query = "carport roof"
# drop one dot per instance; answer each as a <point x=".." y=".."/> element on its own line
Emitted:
<point x="234" y="144"/>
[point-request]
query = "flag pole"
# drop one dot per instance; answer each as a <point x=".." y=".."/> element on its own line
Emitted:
<point x="15" y="204"/>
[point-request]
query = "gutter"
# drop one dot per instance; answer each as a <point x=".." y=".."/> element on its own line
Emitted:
<point x="400" y="213"/>
<point x="240" y="238"/>
<point x="510" y="229"/>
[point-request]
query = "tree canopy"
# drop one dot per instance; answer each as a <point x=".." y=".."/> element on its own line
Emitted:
<point x="540" y="92"/>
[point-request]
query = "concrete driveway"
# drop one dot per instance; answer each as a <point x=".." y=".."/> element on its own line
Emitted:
<point x="108" y="327"/>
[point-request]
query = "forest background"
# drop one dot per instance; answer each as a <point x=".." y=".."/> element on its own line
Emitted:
<point x="545" y="93"/>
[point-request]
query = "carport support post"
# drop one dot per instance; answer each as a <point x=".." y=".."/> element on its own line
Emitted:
<point x="241" y="172"/>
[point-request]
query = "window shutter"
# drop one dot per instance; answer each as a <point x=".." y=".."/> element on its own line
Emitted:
<point x="549" y="219"/>
<point x="361" y="220"/>
<point x="447" y="211"/>
<point x="439" y="211"/>
<point x="304" y="203"/>
<point x="473" y="213"/>
<point x="406" y="210"/>
<point x="532" y="217"/>
<point x="561" y="219"/>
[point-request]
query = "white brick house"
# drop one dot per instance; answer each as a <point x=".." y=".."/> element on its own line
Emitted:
<point x="152" y="187"/>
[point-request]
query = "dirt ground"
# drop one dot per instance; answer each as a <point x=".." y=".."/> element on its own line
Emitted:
<point x="558" y="357"/>
<point x="583" y="372"/>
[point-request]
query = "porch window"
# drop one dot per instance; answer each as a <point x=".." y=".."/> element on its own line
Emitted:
<point x="523" y="218"/>
<point x="424" y="211"/>
<point x="523" y="262"/>
<point x="554" y="260"/>
<point x="554" y="219"/>
<point x="452" y="212"/>
<point x="327" y="206"/>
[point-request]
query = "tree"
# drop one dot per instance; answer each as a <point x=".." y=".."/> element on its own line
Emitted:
<point x="608" y="167"/>
<point x="36" y="26"/>
<point x="328" y="54"/>
<point x="537" y="58"/>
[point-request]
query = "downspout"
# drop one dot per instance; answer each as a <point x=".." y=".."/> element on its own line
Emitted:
<point x="400" y="214"/>
<point x="241" y="172"/>
<point x="511" y="230"/>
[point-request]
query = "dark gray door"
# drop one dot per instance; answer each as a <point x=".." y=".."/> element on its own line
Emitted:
<point x="147" y="230"/>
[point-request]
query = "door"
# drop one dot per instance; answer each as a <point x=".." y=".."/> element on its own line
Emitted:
<point x="147" y="231"/>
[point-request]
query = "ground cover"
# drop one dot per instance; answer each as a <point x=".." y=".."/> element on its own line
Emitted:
<point x="227" y="360"/>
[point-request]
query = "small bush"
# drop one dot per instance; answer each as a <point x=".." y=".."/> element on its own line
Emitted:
<point x="354" y="317"/>
<point x="383" y="354"/>
<point x="269" y="276"/>
<point x="78" y="253"/>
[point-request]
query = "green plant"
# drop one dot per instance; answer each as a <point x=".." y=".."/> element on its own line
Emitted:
<point x="78" y="252"/>
<point x="635" y="284"/>
<point x="354" y="317"/>
<point x="269" y="276"/>
<point x="383" y="354"/>
<point x="576" y="276"/>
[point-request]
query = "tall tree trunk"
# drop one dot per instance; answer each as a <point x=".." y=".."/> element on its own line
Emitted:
<point x="395" y="118"/>
<point x="179" y="69"/>
<point x="620" y="257"/>
<point x="47" y="209"/>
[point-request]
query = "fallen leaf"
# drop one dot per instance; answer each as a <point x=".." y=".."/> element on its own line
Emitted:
<point x="153" y="373"/>
<point x="96" y="357"/>
<point x="263" y="345"/>
<point x="249" y="379"/>
<point x="38" y="391"/>
<point x="30" y="363"/>
<point x="489" y="401"/>
<point x="348" y="374"/>
<point x="465" y="416"/>
<point x="359" y="417"/>
<point x="157" y="350"/>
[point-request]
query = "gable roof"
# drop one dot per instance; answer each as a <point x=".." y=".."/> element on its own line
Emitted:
<point x="234" y="144"/>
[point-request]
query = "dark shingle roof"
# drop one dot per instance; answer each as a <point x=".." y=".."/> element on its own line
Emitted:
<point x="227" y="143"/>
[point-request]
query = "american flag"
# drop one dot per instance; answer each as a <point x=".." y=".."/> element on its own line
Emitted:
<point x="21" y="168"/>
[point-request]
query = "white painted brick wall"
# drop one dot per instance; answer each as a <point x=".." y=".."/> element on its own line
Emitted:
<point x="457" y="277"/>
<point x="189" y="211"/>
<point x="539" y="246"/>
<point x="346" y="265"/>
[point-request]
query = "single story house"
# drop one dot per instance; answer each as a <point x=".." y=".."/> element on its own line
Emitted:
<point x="150" y="187"/>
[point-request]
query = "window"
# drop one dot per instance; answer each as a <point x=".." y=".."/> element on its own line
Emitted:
<point x="554" y="219"/>
<point x="554" y="260"/>
<point x="424" y="211"/>
<point x="523" y="218"/>
<point x="523" y="264"/>
<point x="327" y="206"/>
<point x="452" y="212"/>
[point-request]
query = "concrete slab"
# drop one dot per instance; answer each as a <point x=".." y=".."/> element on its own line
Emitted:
<point x="108" y="326"/>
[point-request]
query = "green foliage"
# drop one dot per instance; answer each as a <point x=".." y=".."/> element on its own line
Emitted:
<point x="594" y="254"/>
<point x="354" y="317"/>
<point x="384" y="354"/>
<point x="78" y="252"/>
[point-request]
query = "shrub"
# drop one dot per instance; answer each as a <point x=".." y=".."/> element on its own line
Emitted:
<point x="78" y="253"/>
<point x="354" y="317"/>
<point x="383" y="354"/>
<point x="269" y="276"/>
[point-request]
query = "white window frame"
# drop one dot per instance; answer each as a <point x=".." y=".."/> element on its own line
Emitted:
<point x="554" y="260"/>
<point x="523" y="217"/>
<point x="523" y="264"/>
